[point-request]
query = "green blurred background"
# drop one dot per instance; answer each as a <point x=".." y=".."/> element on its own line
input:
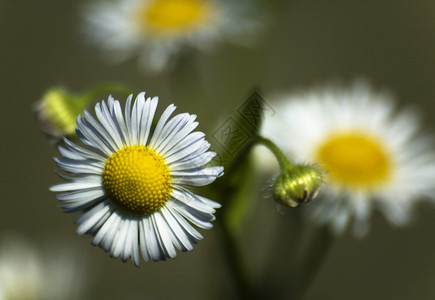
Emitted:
<point x="392" y="43"/>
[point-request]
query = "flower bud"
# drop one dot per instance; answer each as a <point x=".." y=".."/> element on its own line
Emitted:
<point x="56" y="112"/>
<point x="297" y="184"/>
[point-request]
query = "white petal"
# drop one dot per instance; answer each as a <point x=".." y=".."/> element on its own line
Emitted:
<point x="72" y="186"/>
<point x="147" y="119"/>
<point x="117" y="114"/>
<point x="105" y="236"/>
<point x="162" y="121"/>
<point x="104" y="229"/>
<point x="163" y="235"/>
<point x="92" y="217"/>
<point x="127" y="114"/>
<point x="197" y="177"/>
<point x="103" y="219"/>
<point x="177" y="230"/>
<point x="70" y="154"/>
<point x="132" y="248"/>
<point x="192" y="200"/>
<point x="194" y="216"/>
<point x="200" y="199"/>
<point x="80" y="204"/>
<point x="170" y="130"/>
<point x="152" y="243"/>
<point x="81" y="195"/>
<point x="183" y="153"/>
<point x="92" y="138"/>
<point x="136" y="117"/>
<point x="178" y="136"/>
<point x="107" y="122"/>
<point x="192" y="233"/>
<point x="192" y="162"/>
<point x="79" y="167"/>
<point x="85" y="153"/>
<point x="101" y="132"/>
<point x="341" y="220"/>
<point x="119" y="242"/>
<point x="142" y="241"/>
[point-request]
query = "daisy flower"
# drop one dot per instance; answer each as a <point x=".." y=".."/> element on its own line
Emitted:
<point x="156" y="30"/>
<point x="374" y="157"/>
<point x="132" y="179"/>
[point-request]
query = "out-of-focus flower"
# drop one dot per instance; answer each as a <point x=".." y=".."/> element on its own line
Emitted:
<point x="57" y="110"/>
<point x="373" y="156"/>
<point x="157" y="30"/>
<point x="132" y="183"/>
<point x="27" y="273"/>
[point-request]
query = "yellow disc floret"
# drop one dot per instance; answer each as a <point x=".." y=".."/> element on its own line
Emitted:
<point x="355" y="159"/>
<point x="137" y="179"/>
<point x="173" y="15"/>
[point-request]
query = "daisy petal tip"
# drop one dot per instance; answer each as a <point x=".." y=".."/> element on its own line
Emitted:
<point x="141" y="96"/>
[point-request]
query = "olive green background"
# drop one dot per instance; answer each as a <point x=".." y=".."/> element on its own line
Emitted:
<point x="306" y="42"/>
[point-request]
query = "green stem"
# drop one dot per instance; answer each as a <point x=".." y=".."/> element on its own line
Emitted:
<point x="236" y="263"/>
<point x="280" y="156"/>
<point x="309" y="260"/>
<point x="304" y="261"/>
<point x="228" y="190"/>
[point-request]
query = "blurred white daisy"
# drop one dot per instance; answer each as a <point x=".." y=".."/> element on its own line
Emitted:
<point x="374" y="156"/>
<point x="131" y="183"/>
<point x="156" y="30"/>
<point x="26" y="273"/>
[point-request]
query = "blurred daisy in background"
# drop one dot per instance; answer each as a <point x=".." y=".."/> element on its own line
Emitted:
<point x="132" y="181"/>
<point x="27" y="273"/>
<point x="157" y="30"/>
<point x="374" y="157"/>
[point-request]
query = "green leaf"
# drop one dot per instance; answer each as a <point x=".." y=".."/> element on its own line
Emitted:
<point x="233" y="141"/>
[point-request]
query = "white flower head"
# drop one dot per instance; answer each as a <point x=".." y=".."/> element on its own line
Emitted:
<point x="132" y="181"/>
<point x="156" y="30"/>
<point x="374" y="157"/>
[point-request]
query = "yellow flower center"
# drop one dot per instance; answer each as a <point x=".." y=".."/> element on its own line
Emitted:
<point x="137" y="179"/>
<point x="174" y="15"/>
<point x="355" y="159"/>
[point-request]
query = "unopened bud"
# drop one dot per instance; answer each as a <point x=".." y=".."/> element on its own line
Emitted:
<point x="56" y="112"/>
<point x="297" y="184"/>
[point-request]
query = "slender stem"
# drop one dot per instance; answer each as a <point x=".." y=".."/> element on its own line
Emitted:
<point x="236" y="263"/>
<point x="232" y="250"/>
<point x="280" y="156"/>
<point x="278" y="272"/>
<point x="309" y="260"/>
<point x="304" y="262"/>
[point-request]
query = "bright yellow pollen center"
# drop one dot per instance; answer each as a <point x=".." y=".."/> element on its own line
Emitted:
<point x="137" y="179"/>
<point x="354" y="159"/>
<point x="171" y="15"/>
